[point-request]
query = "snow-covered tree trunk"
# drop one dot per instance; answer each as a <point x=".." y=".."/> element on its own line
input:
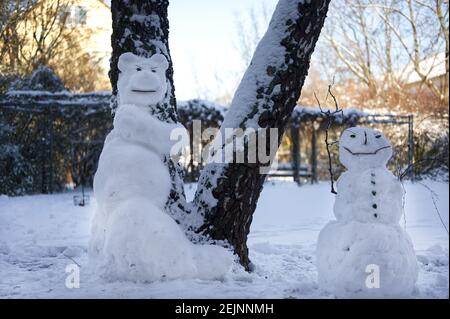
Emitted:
<point x="142" y="27"/>
<point x="227" y="194"/>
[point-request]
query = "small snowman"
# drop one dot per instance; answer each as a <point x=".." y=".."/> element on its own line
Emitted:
<point x="365" y="252"/>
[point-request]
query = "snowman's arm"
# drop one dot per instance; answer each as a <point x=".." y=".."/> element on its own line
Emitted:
<point x="136" y="126"/>
<point x="130" y="125"/>
<point x="340" y="179"/>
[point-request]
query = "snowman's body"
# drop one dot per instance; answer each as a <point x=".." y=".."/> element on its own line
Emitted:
<point x="132" y="236"/>
<point x="371" y="195"/>
<point x="366" y="240"/>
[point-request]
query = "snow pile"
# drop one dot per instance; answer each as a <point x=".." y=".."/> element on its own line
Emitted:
<point x="347" y="250"/>
<point x="132" y="236"/>
<point x="41" y="234"/>
<point x="365" y="252"/>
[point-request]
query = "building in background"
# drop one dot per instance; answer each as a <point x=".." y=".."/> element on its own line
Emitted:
<point x="95" y="17"/>
<point x="434" y="69"/>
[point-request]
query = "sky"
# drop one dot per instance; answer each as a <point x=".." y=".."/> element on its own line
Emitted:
<point x="202" y="40"/>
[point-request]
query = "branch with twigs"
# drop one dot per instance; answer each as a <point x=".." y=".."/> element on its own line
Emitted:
<point x="434" y="198"/>
<point x="329" y="115"/>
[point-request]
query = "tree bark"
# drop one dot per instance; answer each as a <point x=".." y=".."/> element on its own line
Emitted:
<point x="227" y="193"/>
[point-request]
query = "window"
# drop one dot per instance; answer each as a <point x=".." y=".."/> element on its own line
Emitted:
<point x="64" y="15"/>
<point x="80" y="15"/>
<point x="73" y="16"/>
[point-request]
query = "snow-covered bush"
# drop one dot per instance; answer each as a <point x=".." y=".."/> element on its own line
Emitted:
<point x="431" y="155"/>
<point x="42" y="79"/>
<point x="16" y="176"/>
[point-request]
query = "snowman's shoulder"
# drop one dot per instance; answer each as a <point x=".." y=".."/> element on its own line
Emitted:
<point x="386" y="174"/>
<point x="112" y="136"/>
<point x="352" y="175"/>
<point x="392" y="182"/>
<point x="345" y="175"/>
<point x="344" y="180"/>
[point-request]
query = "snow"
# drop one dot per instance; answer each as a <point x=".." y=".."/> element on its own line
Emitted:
<point x="355" y="198"/>
<point x="245" y="109"/>
<point x="366" y="236"/>
<point x="41" y="234"/>
<point x="346" y="249"/>
<point x="199" y="104"/>
<point x="144" y="244"/>
<point x="350" y="113"/>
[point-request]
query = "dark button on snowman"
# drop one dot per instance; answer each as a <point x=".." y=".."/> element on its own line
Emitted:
<point x="365" y="252"/>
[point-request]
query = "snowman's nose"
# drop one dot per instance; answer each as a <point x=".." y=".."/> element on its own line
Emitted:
<point x="365" y="138"/>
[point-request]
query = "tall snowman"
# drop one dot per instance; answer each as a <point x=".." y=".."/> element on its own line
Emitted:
<point x="365" y="252"/>
<point x="133" y="238"/>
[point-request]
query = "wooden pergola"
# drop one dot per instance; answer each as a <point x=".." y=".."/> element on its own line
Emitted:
<point x="82" y="120"/>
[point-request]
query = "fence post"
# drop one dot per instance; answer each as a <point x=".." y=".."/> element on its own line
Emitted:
<point x="295" y="153"/>
<point x="411" y="145"/>
<point x="51" y="151"/>
<point x="313" y="156"/>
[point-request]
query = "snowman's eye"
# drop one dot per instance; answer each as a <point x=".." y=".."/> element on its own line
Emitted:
<point x="378" y="136"/>
<point x="138" y="69"/>
<point x="153" y="70"/>
<point x="353" y="136"/>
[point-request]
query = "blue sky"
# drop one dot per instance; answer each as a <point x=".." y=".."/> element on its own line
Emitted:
<point x="202" y="39"/>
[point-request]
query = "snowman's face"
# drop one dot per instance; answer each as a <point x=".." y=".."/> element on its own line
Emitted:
<point x="142" y="81"/>
<point x="361" y="147"/>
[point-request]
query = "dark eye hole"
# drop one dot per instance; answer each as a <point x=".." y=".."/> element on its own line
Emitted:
<point x="378" y="136"/>
<point x="153" y="70"/>
<point x="353" y="136"/>
<point x="138" y="69"/>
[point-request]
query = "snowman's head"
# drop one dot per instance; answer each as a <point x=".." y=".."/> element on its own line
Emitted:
<point x="142" y="81"/>
<point x="363" y="148"/>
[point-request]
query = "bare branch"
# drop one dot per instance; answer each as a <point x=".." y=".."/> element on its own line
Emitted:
<point x="434" y="198"/>
<point x="329" y="115"/>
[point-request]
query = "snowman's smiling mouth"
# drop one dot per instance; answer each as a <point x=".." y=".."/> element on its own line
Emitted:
<point x="143" y="91"/>
<point x="366" y="153"/>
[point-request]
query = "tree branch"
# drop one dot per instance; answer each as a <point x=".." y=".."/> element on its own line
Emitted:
<point x="329" y="115"/>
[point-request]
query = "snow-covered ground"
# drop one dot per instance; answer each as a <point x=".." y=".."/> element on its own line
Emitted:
<point x="40" y="235"/>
